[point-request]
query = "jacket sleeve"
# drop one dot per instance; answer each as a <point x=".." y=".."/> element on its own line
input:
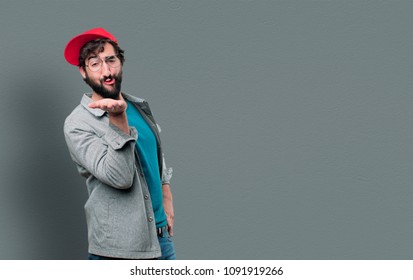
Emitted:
<point x="166" y="172"/>
<point x="109" y="157"/>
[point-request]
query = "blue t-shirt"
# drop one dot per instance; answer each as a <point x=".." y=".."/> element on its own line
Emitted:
<point x="148" y="155"/>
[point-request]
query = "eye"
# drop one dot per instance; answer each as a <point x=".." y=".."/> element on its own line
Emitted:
<point x="93" y="63"/>
<point x="111" y="59"/>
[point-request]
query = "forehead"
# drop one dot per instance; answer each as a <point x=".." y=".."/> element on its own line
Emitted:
<point x="106" y="50"/>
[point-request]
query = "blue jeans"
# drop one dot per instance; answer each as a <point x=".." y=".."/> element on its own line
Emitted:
<point x="167" y="246"/>
<point x="167" y="249"/>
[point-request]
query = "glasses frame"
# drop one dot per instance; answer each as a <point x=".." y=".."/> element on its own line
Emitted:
<point x="106" y="61"/>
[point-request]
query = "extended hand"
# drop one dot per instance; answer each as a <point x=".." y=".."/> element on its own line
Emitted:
<point x="112" y="106"/>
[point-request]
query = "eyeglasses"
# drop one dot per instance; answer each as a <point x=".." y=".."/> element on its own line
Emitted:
<point x="95" y="64"/>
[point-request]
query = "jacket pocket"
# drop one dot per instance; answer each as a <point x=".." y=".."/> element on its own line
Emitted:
<point x="97" y="219"/>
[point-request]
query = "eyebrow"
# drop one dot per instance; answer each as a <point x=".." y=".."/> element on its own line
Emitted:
<point x="90" y="57"/>
<point x="106" y="57"/>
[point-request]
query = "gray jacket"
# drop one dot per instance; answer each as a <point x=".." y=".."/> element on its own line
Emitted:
<point x="119" y="214"/>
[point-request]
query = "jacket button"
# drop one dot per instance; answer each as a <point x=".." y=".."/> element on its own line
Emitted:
<point x="146" y="196"/>
<point x="150" y="219"/>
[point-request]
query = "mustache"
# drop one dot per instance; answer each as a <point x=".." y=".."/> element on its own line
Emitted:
<point x="114" y="77"/>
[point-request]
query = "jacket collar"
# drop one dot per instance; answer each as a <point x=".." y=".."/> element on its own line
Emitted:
<point x="86" y="100"/>
<point x="132" y="98"/>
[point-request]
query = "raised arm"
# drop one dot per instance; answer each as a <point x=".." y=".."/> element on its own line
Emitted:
<point x="108" y="154"/>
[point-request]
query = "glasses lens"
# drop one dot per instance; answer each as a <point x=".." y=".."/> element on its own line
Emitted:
<point x="113" y="61"/>
<point x="95" y="64"/>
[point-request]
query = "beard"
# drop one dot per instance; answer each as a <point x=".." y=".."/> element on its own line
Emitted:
<point x="99" y="88"/>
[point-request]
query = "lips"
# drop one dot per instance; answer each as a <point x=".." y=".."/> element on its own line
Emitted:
<point x="109" y="81"/>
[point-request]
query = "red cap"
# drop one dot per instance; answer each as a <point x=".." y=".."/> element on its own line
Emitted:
<point x="72" y="49"/>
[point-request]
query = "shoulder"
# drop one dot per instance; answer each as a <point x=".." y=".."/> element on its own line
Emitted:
<point x="74" y="115"/>
<point x="79" y="118"/>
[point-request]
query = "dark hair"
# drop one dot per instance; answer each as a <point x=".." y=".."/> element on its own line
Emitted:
<point x="97" y="46"/>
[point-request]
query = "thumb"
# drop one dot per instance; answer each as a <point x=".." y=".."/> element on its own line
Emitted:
<point x="92" y="105"/>
<point x="171" y="230"/>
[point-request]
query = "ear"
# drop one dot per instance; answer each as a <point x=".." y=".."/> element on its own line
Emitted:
<point x="82" y="72"/>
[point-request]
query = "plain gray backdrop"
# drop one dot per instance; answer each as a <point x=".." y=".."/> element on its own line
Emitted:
<point x="287" y="124"/>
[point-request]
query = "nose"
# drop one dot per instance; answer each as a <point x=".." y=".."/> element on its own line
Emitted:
<point x="105" y="69"/>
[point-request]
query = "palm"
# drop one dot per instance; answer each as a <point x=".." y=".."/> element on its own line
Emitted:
<point x="109" y="105"/>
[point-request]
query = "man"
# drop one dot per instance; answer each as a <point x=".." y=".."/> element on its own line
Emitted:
<point x="114" y="141"/>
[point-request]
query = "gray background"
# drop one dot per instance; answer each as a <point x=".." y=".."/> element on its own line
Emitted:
<point x="287" y="123"/>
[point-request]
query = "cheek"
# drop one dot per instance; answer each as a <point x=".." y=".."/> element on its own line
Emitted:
<point x="117" y="71"/>
<point x="94" y="78"/>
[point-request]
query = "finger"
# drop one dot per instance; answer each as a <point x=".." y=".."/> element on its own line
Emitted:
<point x="170" y="222"/>
<point x="92" y="105"/>
<point x="98" y="104"/>
<point x="170" y="230"/>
